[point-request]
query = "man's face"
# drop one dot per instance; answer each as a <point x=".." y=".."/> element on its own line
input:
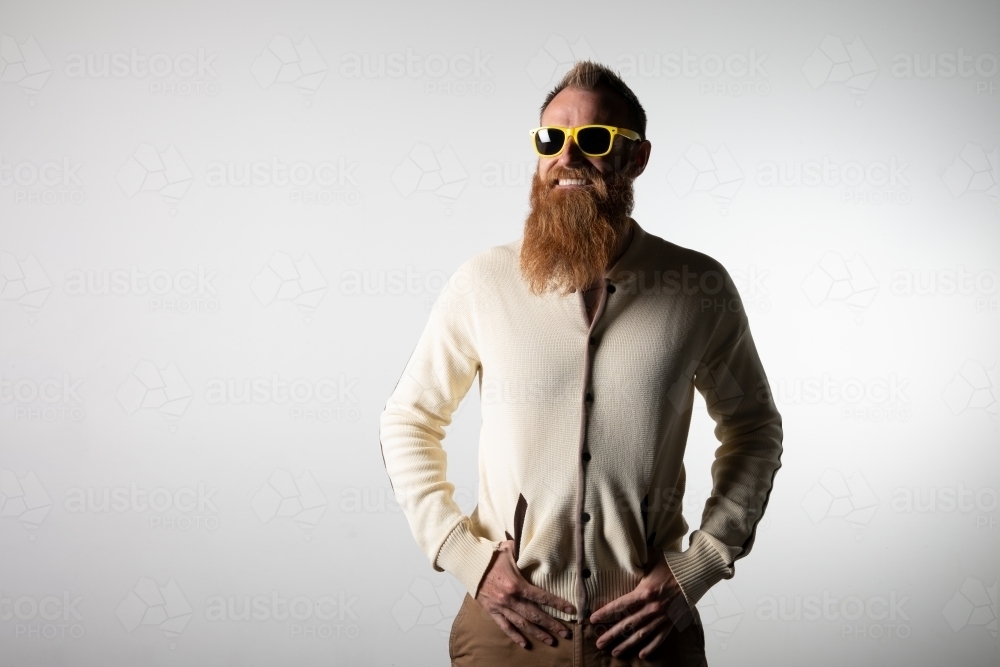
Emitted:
<point x="573" y="107"/>
<point x="580" y="205"/>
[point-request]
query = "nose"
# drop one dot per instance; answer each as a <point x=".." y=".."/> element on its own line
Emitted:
<point x="571" y="155"/>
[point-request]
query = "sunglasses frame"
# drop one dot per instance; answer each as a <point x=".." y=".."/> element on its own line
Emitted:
<point x="571" y="132"/>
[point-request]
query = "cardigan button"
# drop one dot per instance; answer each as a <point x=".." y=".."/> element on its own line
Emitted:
<point x="586" y="457"/>
<point x="586" y="573"/>
<point x="590" y="397"/>
<point x="611" y="289"/>
<point x="585" y="517"/>
<point x="593" y="341"/>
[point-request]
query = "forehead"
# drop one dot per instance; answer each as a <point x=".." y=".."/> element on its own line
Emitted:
<point x="576" y="106"/>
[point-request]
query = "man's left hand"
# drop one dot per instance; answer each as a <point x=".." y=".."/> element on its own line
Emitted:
<point x="643" y="618"/>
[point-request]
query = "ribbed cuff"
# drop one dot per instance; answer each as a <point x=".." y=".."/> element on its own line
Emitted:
<point x="466" y="556"/>
<point x="699" y="568"/>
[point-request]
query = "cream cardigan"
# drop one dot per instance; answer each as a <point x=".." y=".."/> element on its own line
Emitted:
<point x="584" y="424"/>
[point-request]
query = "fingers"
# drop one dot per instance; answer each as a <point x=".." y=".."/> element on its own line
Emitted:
<point x="640" y="637"/>
<point x="627" y="627"/>
<point x="617" y="608"/>
<point x="526" y="628"/>
<point x="657" y="639"/>
<point x="509" y="629"/>
<point x="511" y="600"/>
<point x="537" y="616"/>
<point x="535" y="594"/>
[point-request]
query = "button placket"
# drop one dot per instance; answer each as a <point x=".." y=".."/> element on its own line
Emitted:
<point x="585" y="455"/>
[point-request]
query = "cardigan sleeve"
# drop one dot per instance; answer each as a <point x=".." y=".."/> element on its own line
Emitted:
<point x="436" y="378"/>
<point x="748" y="427"/>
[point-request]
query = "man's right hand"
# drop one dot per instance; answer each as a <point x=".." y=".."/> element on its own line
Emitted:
<point x="513" y="602"/>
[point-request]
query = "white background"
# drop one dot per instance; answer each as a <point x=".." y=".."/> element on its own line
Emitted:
<point x="872" y="291"/>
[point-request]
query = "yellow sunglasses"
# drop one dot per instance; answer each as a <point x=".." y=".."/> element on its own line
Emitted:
<point x="592" y="140"/>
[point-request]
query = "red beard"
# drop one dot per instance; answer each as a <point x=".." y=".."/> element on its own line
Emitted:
<point x="572" y="234"/>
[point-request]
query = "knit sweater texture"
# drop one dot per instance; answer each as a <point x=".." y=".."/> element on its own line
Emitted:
<point x="584" y="424"/>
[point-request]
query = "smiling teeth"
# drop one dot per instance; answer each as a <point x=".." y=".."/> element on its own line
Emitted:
<point x="572" y="181"/>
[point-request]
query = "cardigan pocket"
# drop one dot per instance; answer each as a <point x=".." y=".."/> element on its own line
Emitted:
<point x="519" y="512"/>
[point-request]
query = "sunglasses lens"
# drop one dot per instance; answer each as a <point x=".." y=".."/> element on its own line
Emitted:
<point x="549" y="141"/>
<point x="594" y="140"/>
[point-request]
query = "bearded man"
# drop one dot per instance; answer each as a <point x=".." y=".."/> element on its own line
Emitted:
<point x="588" y="337"/>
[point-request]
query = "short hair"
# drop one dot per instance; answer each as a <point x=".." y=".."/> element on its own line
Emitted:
<point x="589" y="75"/>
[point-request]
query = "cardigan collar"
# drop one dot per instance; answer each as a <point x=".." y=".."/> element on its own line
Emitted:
<point x="624" y="269"/>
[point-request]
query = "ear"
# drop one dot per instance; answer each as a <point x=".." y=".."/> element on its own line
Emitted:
<point x="640" y="158"/>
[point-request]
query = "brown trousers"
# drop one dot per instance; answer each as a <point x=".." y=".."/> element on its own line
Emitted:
<point x="477" y="640"/>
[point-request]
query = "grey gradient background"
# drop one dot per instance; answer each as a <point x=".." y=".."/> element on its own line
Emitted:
<point x="872" y="292"/>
